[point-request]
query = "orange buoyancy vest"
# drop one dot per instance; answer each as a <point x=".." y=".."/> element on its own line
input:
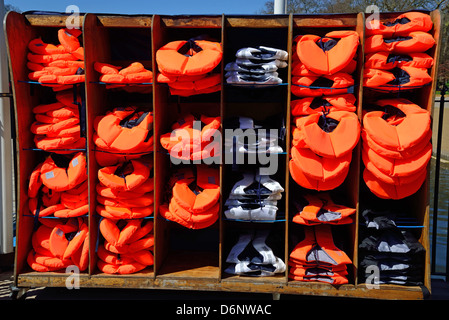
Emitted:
<point x="332" y="135"/>
<point x="37" y="46"/>
<point x="388" y="61"/>
<point x="386" y="178"/>
<point x="407" y="134"/>
<point x="417" y="41"/>
<point x="405" y="154"/>
<point x="124" y="130"/>
<point x="47" y="58"/>
<point x="60" y="173"/>
<point x="185" y="134"/>
<point x="309" y="105"/>
<point x="69" y="38"/>
<point x="393" y="191"/>
<point x="60" y="145"/>
<point x="208" y="81"/>
<point x="141" y="201"/>
<point x="125" y="176"/>
<point x="118" y="232"/>
<point x="399" y="167"/>
<point x="191" y="57"/>
<point x="328" y="54"/>
<point x="337" y="83"/>
<point x="300" y="69"/>
<point x="309" y="183"/>
<point x="124" y="213"/>
<point x="320" y="168"/>
<point x="174" y="212"/>
<point x="62" y="244"/>
<point x="402" y="78"/>
<point x="402" y="24"/>
<point x="320" y="205"/>
<point x="200" y="193"/>
<point x="141" y="190"/>
<point x="320" y="237"/>
<point x="191" y="92"/>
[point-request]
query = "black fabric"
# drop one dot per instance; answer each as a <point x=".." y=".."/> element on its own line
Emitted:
<point x="397" y="39"/>
<point x="128" y="123"/>
<point x="323" y="82"/>
<point x="188" y="46"/>
<point x="391" y="111"/>
<point x="319" y="102"/>
<point x="328" y="44"/>
<point x="60" y="160"/>
<point x="392" y="58"/>
<point x="401" y="77"/>
<point x="327" y="124"/>
<point x="397" y="21"/>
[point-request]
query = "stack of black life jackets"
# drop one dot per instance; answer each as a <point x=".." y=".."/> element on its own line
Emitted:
<point x="396" y="252"/>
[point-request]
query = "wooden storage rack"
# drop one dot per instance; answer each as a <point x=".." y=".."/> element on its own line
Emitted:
<point x="195" y="259"/>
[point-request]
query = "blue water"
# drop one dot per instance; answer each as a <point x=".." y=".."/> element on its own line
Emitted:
<point x="442" y="213"/>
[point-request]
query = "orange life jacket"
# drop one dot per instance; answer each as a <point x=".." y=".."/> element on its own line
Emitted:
<point x="328" y="54"/>
<point x="37" y="46"/>
<point x="113" y="263"/>
<point x="402" y="24"/>
<point x="388" y="61"/>
<point x="309" y="183"/>
<point x="332" y="135"/>
<point x="118" y="236"/>
<point x="399" y="167"/>
<point x="320" y="204"/>
<point x="60" y="175"/>
<point x="402" y="78"/>
<point x="319" y="236"/>
<point x="125" y="176"/>
<point x="206" y="82"/>
<point x="417" y="41"/>
<point x="409" y="133"/>
<point x="300" y="69"/>
<point x="188" y="92"/>
<point x="309" y="105"/>
<point x="201" y="57"/>
<point x="69" y="38"/>
<point x="124" y="130"/>
<point x="320" y="168"/>
<point x="393" y="191"/>
<point x="62" y="247"/>
<point x="124" y="213"/>
<point x="405" y="154"/>
<point x="57" y="144"/>
<point x="187" y="140"/>
<point x="338" y="83"/>
<point x="205" y="192"/>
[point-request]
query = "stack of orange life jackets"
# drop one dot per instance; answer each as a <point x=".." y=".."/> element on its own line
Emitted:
<point x="127" y="246"/>
<point x="192" y="138"/>
<point x="321" y="209"/>
<point x="125" y="190"/>
<point x="57" y="244"/>
<point x="194" y="194"/>
<point x="57" y="127"/>
<point x="58" y="187"/>
<point x="187" y="66"/>
<point x="396" y="148"/>
<point x="395" y="52"/>
<point x="122" y="134"/>
<point x="326" y="127"/>
<point x="59" y="65"/>
<point x="317" y="258"/>
<point x="117" y="77"/>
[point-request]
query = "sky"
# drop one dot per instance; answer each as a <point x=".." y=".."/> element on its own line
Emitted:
<point x="172" y="7"/>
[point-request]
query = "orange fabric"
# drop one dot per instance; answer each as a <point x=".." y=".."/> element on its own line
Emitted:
<point x="343" y="102"/>
<point x="304" y="86"/>
<point x="172" y="62"/>
<point x="379" y="60"/>
<point x="134" y="174"/>
<point x="69" y="38"/>
<point x="60" y="178"/>
<point x="419" y="42"/>
<point x="418" y="22"/>
<point x="331" y="144"/>
<point x="327" y="62"/>
<point x="410" y="132"/>
<point x="380" y="79"/>
<point x="110" y="134"/>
